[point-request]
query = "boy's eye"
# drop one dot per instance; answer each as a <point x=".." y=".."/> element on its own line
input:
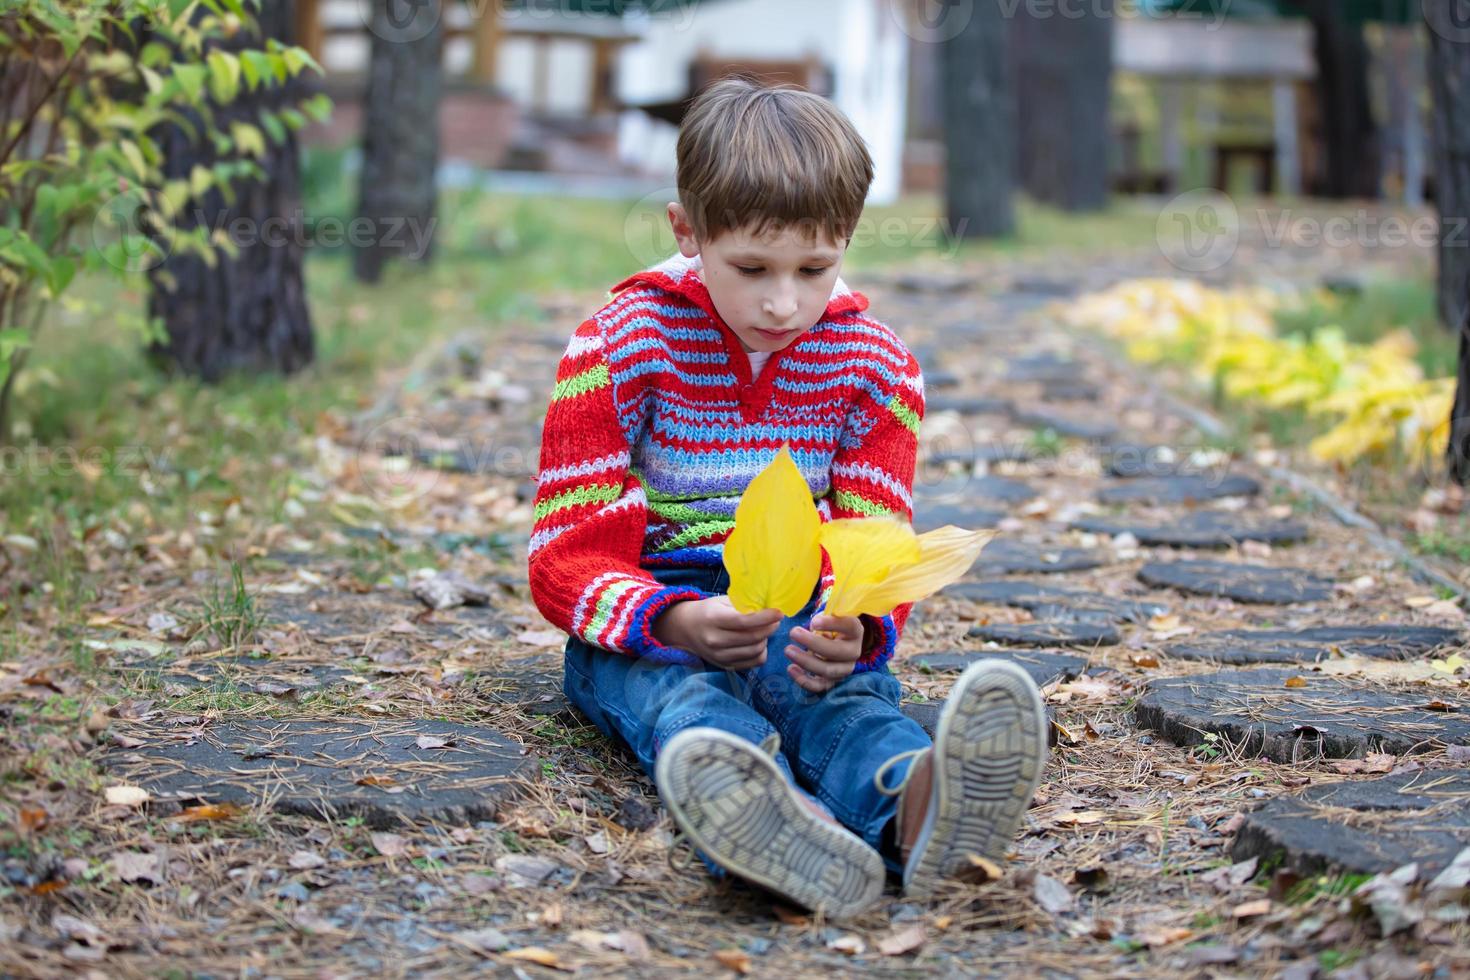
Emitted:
<point x="813" y="273"/>
<point x="746" y="270"/>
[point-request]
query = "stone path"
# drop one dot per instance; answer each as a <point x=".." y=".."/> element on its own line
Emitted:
<point x="529" y="830"/>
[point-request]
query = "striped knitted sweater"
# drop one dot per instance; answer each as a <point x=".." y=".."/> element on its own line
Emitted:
<point x="656" y="427"/>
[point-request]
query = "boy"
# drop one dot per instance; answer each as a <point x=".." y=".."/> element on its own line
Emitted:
<point x="776" y="744"/>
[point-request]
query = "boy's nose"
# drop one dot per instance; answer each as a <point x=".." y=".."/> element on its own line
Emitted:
<point x="781" y="308"/>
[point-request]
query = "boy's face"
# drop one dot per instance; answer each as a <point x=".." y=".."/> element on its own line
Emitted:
<point x="769" y="288"/>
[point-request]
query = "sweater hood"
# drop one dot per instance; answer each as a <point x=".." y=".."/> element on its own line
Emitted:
<point x="684" y="276"/>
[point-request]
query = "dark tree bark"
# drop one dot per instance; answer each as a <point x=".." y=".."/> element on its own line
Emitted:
<point x="1449" y="80"/>
<point x="979" y="124"/>
<point x="1350" y="134"/>
<point x="1064" y="75"/>
<point x="246" y="313"/>
<point x="400" y="143"/>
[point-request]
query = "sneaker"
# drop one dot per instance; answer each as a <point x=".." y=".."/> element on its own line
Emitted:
<point x="967" y="795"/>
<point x="734" y="804"/>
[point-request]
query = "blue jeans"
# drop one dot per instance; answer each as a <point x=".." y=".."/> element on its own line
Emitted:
<point x="832" y="743"/>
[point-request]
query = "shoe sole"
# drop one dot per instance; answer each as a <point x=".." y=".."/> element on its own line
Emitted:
<point x="989" y="752"/>
<point x="737" y="807"/>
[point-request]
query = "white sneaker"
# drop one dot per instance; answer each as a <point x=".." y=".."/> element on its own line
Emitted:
<point x="734" y="804"/>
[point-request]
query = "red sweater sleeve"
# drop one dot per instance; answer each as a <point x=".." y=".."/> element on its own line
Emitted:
<point x="873" y="475"/>
<point x="591" y="514"/>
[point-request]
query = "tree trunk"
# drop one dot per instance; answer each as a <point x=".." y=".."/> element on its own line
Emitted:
<point x="246" y="313"/>
<point x="1064" y="74"/>
<point x="1449" y="79"/>
<point x="1349" y="132"/>
<point x="400" y="143"/>
<point x="979" y="123"/>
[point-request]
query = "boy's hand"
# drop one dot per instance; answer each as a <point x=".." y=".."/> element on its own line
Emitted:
<point x="712" y="630"/>
<point x="834" y="645"/>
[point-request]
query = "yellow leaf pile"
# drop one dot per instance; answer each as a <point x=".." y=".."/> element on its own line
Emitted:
<point x="774" y="554"/>
<point x="1373" y="398"/>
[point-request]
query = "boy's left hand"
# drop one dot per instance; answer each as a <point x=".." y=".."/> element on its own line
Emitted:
<point x="833" y="646"/>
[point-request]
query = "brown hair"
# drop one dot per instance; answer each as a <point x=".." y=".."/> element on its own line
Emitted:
<point x="750" y="154"/>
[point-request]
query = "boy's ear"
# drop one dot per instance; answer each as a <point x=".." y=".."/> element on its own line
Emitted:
<point x="683" y="230"/>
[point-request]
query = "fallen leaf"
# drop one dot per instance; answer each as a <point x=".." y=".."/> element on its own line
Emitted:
<point x="1164" y="622"/>
<point x="487" y="940"/>
<point x="209" y="811"/>
<point x="1080" y="818"/>
<point x="433" y="742"/>
<point x="33" y="818"/>
<point x="1249" y="910"/>
<point x="1458" y="753"/>
<point x="849" y="945"/>
<point x="377" y="781"/>
<point x="1052" y="895"/>
<point x="633" y="944"/>
<point x="134" y="866"/>
<point x="790" y="916"/>
<point x="1164" y="936"/>
<point x="542" y="638"/>
<point x="597" y="843"/>
<point x="943" y="922"/>
<point x="523" y="870"/>
<point x="903" y="941"/>
<point x="479" y="884"/>
<point x="539" y="955"/>
<point x="551" y="916"/>
<point x="981" y="870"/>
<point x="79" y="930"/>
<point x="736" y="959"/>
<point x="1144" y="660"/>
<point x="389" y="845"/>
<point x="1420" y="601"/>
<point x="126" y="795"/>
<point x="306" y="860"/>
<point x="1295" y="682"/>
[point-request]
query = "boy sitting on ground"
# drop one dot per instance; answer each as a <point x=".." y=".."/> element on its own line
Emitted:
<point x="777" y="744"/>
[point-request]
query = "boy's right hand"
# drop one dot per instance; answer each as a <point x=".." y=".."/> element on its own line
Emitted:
<point x="712" y="630"/>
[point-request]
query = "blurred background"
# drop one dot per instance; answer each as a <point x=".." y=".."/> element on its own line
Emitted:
<point x="229" y="224"/>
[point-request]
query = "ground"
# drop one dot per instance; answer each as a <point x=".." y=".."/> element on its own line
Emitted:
<point x="352" y="757"/>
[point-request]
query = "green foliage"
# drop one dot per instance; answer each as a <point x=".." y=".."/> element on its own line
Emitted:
<point x="90" y="83"/>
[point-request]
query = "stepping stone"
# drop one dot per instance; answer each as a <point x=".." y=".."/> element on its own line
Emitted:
<point x="1003" y="489"/>
<point x="1243" y="583"/>
<point x="941" y="379"/>
<point x="536" y="689"/>
<point x="1363" y="827"/>
<point x="928" y="517"/>
<point x="258" y="675"/>
<point x="1130" y="461"/>
<point x="339" y="769"/>
<point x="987" y="453"/>
<point x="1006" y="556"/>
<point x="1385" y="641"/>
<point x="326" y="615"/>
<point x="1066" y="634"/>
<point x="1199" y="529"/>
<point x="1070" y="391"/>
<point x="1098" y="430"/>
<point x="965" y="405"/>
<point x="1187" y="489"/>
<point x="1044" y="667"/>
<point x="1052" y="604"/>
<point x="1255" y="713"/>
<point x="1044" y="368"/>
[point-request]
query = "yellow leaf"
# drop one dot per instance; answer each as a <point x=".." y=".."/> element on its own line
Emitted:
<point x="943" y="556"/>
<point x="772" y="554"/>
<point x="864" y="551"/>
<point x="1451" y="663"/>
